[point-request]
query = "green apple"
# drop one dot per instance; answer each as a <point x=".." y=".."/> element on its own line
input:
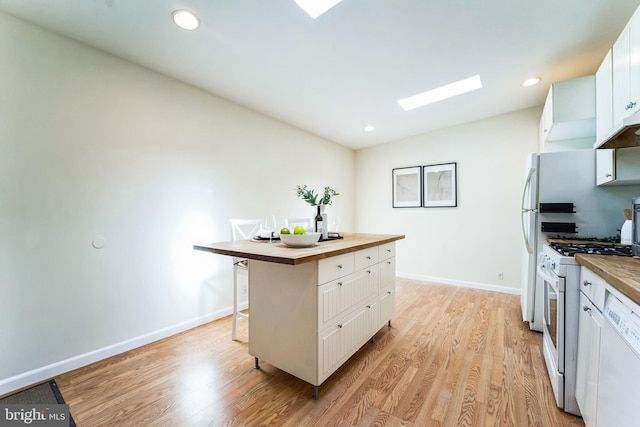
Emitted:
<point x="299" y="230"/>
<point x="285" y="231"/>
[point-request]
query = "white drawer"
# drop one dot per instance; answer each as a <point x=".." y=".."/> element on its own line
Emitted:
<point x="366" y="257"/>
<point x="387" y="273"/>
<point x="339" y="296"/>
<point x="335" y="267"/>
<point x="593" y="286"/>
<point x="386" y="251"/>
<point x="338" y="342"/>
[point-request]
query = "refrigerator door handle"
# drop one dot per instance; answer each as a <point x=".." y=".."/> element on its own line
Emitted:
<point x="527" y="183"/>
<point x="524" y="235"/>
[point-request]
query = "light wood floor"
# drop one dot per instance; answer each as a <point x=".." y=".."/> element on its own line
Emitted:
<point x="453" y="357"/>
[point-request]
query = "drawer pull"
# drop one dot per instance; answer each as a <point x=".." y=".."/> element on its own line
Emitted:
<point x="368" y="306"/>
<point x="388" y="292"/>
<point x="340" y="325"/>
<point x="389" y="262"/>
<point x="586" y="283"/>
<point x="389" y="250"/>
<point x="585" y="308"/>
<point x="339" y="283"/>
<point x="368" y="257"/>
<point x="369" y="271"/>
<point x="340" y="266"/>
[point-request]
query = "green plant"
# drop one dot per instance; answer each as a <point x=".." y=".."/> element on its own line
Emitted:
<point x="311" y="197"/>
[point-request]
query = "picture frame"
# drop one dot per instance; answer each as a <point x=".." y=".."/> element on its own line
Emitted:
<point x="440" y="185"/>
<point x="407" y="187"/>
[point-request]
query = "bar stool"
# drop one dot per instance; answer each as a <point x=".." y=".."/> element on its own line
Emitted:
<point x="241" y="229"/>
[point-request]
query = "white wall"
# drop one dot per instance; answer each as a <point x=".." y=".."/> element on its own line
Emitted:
<point x="468" y="244"/>
<point x="96" y="148"/>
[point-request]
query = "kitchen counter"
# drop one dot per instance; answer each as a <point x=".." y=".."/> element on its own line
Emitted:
<point x="623" y="273"/>
<point x="279" y="253"/>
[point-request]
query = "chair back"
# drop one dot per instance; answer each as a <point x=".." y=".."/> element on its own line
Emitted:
<point x="292" y="222"/>
<point x="244" y="229"/>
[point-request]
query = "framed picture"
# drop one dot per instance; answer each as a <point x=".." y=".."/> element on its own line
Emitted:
<point x="440" y="185"/>
<point x="407" y="187"/>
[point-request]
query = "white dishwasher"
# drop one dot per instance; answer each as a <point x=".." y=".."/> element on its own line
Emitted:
<point x="619" y="385"/>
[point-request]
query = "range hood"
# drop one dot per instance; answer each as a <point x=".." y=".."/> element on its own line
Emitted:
<point x="627" y="136"/>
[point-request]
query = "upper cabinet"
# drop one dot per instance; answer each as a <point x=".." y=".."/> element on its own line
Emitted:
<point x="569" y="111"/>
<point x="618" y="90"/>
<point x="619" y="166"/>
<point x="626" y="72"/>
<point x="604" y="99"/>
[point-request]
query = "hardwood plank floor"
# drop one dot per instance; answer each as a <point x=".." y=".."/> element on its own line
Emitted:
<point x="453" y="357"/>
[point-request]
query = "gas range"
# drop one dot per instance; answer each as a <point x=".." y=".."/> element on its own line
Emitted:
<point x="556" y="256"/>
<point x="595" y="248"/>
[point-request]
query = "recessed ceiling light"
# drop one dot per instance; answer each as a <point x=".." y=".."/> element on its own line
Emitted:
<point x="185" y="19"/>
<point x="532" y="81"/>
<point x="316" y="8"/>
<point x="440" y="93"/>
<point x="369" y="128"/>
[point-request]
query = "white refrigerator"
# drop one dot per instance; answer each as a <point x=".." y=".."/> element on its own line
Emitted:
<point x="560" y="198"/>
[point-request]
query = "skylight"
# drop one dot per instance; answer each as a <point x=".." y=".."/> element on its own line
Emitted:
<point x="316" y="8"/>
<point x="440" y="93"/>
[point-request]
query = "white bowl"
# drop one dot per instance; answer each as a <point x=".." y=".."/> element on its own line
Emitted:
<point x="300" y="240"/>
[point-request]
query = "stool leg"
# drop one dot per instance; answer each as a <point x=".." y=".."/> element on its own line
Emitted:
<point x="234" y="327"/>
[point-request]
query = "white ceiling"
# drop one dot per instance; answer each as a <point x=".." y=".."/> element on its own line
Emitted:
<point x="347" y="69"/>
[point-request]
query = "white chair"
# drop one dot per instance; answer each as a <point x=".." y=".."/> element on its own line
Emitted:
<point x="290" y="223"/>
<point x="241" y="229"/>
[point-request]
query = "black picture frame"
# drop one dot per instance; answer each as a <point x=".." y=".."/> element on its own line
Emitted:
<point x="440" y="185"/>
<point x="406" y="187"/>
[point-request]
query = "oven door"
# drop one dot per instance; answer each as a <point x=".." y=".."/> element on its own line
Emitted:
<point x="553" y="332"/>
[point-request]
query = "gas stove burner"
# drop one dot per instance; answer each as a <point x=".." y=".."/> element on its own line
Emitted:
<point x="570" y="249"/>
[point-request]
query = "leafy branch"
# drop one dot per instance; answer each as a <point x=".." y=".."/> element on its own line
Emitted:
<point x="311" y="197"/>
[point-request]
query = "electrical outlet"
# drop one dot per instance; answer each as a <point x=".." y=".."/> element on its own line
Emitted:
<point x="500" y="275"/>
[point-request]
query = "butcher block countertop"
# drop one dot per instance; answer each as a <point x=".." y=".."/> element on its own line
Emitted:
<point x="278" y="252"/>
<point x="623" y="273"/>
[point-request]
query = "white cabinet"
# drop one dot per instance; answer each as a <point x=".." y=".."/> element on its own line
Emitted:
<point x="569" y="111"/>
<point x="619" y="166"/>
<point x="589" y="334"/>
<point x="308" y="319"/>
<point x="355" y="306"/>
<point x="626" y="72"/>
<point x="387" y="283"/>
<point x="592" y="296"/>
<point x="605" y="165"/>
<point x="604" y="100"/>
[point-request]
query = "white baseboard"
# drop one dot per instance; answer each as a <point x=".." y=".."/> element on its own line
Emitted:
<point x="460" y="283"/>
<point x="38" y="375"/>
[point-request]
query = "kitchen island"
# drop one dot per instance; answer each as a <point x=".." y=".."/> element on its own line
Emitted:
<point x="313" y="308"/>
